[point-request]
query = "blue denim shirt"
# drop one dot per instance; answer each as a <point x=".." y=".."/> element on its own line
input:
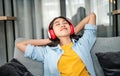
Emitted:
<point x="51" y="55"/>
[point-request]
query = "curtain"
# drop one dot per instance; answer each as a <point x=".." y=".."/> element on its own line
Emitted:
<point x="33" y="17"/>
<point x="8" y="48"/>
<point x="32" y="20"/>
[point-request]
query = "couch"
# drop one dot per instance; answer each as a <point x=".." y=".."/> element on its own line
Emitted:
<point x="102" y="44"/>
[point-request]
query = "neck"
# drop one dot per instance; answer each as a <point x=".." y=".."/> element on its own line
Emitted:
<point x="65" y="41"/>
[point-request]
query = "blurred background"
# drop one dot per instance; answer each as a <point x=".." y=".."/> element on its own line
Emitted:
<point x="30" y="19"/>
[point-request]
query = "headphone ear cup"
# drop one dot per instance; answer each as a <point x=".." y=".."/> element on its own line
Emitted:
<point x="72" y="29"/>
<point x="51" y="34"/>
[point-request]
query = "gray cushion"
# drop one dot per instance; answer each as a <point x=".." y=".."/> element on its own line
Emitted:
<point x="104" y="45"/>
<point x="36" y="68"/>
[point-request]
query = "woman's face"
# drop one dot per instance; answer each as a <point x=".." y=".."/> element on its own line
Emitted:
<point x="61" y="27"/>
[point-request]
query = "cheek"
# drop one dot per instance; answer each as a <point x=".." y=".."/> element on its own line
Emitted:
<point x="56" y="31"/>
<point x="69" y="29"/>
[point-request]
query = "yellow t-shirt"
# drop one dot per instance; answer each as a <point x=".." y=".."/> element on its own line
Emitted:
<point x="70" y="63"/>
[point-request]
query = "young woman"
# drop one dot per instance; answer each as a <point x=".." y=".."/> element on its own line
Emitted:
<point x="71" y="56"/>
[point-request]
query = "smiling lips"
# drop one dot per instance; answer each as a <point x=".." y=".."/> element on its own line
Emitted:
<point x="63" y="29"/>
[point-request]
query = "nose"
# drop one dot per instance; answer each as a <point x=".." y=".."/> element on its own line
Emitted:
<point x="62" y="25"/>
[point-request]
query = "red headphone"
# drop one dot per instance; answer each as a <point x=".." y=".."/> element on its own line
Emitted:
<point x="52" y="35"/>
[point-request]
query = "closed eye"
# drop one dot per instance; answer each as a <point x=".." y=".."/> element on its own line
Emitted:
<point x="65" y="22"/>
<point x="57" y="24"/>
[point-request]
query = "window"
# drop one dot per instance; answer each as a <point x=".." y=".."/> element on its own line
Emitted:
<point x="76" y="10"/>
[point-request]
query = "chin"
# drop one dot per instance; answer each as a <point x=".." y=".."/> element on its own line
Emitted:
<point x="64" y="35"/>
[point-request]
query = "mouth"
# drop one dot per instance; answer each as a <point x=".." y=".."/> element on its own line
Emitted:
<point x="63" y="29"/>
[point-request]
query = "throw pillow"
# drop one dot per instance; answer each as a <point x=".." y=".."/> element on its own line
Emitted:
<point x="14" y="68"/>
<point x="110" y="63"/>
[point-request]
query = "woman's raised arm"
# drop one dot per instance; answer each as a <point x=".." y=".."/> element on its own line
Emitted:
<point x="90" y="19"/>
<point x="36" y="42"/>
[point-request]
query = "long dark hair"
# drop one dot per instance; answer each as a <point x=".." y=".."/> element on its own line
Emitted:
<point x="56" y="41"/>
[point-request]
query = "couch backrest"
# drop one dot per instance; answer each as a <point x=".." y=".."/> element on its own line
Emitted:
<point x="104" y="44"/>
<point x="36" y="68"/>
